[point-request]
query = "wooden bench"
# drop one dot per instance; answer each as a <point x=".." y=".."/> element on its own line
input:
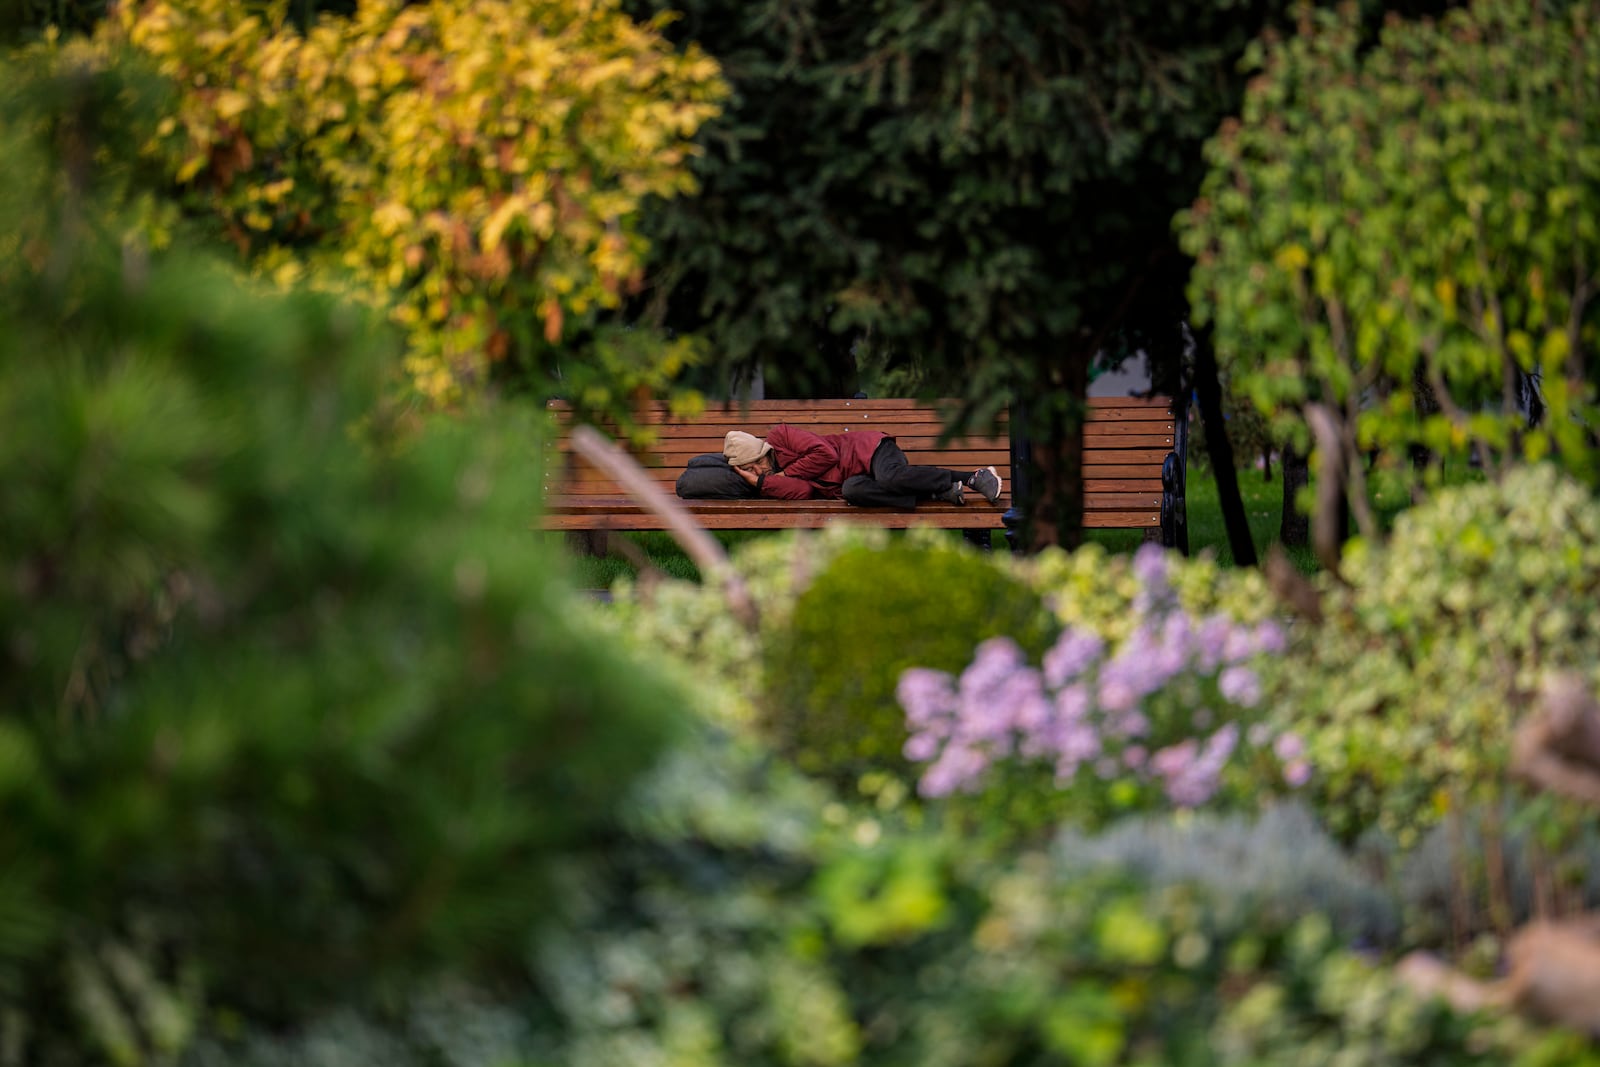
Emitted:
<point x="1127" y="443"/>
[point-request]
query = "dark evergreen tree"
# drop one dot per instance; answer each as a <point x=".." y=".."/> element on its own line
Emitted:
<point x="985" y="188"/>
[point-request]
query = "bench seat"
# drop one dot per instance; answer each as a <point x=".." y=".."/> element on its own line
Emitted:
<point x="1126" y="443"/>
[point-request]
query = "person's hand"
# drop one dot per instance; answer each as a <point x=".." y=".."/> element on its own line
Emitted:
<point x="748" y="475"/>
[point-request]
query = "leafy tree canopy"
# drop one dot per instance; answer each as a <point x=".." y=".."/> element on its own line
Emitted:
<point x="982" y="189"/>
<point x="1410" y="236"/>
<point x="979" y="187"/>
<point x="476" y="166"/>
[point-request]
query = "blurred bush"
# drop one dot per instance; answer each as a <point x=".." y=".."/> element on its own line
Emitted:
<point x="291" y="712"/>
<point x="872" y="613"/>
<point x="1194" y="938"/>
<point x="1096" y="590"/>
<point x="1408" y="693"/>
<point x="745" y="918"/>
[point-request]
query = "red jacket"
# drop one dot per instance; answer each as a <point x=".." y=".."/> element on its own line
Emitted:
<point x="816" y="465"/>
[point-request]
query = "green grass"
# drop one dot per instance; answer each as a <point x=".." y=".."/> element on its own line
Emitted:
<point x="1263" y="502"/>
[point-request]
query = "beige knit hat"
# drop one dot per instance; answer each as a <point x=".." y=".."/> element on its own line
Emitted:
<point x="740" y="448"/>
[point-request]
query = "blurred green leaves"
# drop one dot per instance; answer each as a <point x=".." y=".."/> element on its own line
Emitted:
<point x="292" y="710"/>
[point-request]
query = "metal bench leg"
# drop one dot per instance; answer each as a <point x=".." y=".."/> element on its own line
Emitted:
<point x="589" y="542"/>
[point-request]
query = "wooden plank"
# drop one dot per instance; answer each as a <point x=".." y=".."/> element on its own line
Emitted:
<point x="917" y="447"/>
<point x="870" y="404"/>
<point x="1101" y="430"/>
<point x="1139" y="413"/>
<point x="930" y="435"/>
<point x="1142" y="457"/>
<point x="960" y="462"/>
<point x="589" y="480"/>
<point x="950" y="518"/>
<point x="600" y="507"/>
<point x="1104" y="471"/>
<point x="1120" y="501"/>
<point x="823" y="417"/>
<point x="1120" y="520"/>
<point x="1115" y="433"/>
<point x="1123" y="485"/>
<point x="867" y="404"/>
<point x="1133" y="440"/>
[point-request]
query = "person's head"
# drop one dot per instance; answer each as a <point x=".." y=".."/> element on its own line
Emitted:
<point x="748" y="451"/>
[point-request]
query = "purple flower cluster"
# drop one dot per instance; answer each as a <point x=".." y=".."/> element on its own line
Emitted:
<point x="1162" y="707"/>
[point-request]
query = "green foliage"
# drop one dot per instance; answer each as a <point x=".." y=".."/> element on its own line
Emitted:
<point x="23" y="19"/>
<point x="1249" y="434"/>
<point x="290" y="714"/>
<point x="1408" y="692"/>
<point x="914" y="148"/>
<point x="1278" y="864"/>
<point x="477" y="168"/>
<point x="871" y="614"/>
<point x="1195" y="939"/>
<point x="723" y="947"/>
<point x="1095" y="589"/>
<point x="1408" y="234"/>
<point x="728" y="926"/>
<point x="1485" y="869"/>
<point x="690" y="627"/>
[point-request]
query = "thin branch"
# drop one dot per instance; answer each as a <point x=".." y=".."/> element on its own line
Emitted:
<point x="1330" y="487"/>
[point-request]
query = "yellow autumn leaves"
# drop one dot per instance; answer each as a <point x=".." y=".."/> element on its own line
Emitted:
<point x="478" y="164"/>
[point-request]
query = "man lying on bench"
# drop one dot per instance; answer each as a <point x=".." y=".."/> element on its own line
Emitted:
<point x="865" y="467"/>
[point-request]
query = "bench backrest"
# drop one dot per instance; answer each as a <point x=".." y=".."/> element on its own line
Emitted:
<point x="1125" y="442"/>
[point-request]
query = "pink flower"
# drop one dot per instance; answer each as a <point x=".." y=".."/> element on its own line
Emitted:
<point x="957" y="768"/>
<point x="1241" y="686"/>
<point x="993" y="662"/>
<point x="1212" y="641"/>
<point x="1070" y="656"/>
<point x="1117" y="695"/>
<point x="1297" y="773"/>
<point x="922" y="747"/>
<point x="1270" y="638"/>
<point x="1288" y="747"/>
<point x="1150" y="565"/>
<point x="1072" y="703"/>
<point x="926" y="695"/>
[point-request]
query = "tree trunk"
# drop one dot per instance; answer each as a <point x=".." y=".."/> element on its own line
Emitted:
<point x="1295" y="529"/>
<point x="1055" y="514"/>
<point x="1209" y="389"/>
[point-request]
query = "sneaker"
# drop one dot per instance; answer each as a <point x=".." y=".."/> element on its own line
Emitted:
<point x="987" y="482"/>
<point x="956" y="494"/>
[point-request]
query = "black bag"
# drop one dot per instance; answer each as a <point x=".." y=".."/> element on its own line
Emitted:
<point x="710" y="477"/>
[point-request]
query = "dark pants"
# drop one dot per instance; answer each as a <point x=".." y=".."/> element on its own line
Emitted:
<point x="895" y="483"/>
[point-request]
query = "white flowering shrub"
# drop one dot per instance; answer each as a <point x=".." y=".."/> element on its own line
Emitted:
<point x="1408" y="693"/>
